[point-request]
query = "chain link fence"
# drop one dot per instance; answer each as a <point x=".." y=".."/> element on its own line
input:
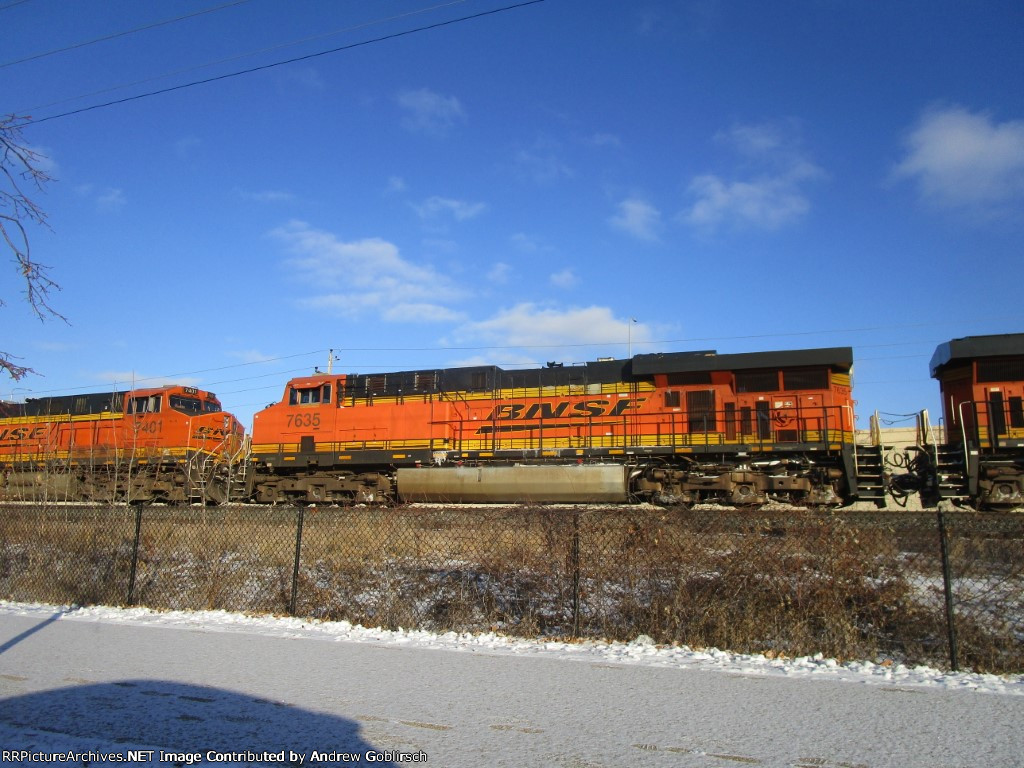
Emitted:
<point x="944" y="589"/>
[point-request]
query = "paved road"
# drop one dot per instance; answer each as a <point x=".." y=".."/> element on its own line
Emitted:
<point x="68" y="683"/>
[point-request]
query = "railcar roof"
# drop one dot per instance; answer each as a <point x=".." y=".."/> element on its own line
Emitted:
<point x="840" y="358"/>
<point x="973" y="347"/>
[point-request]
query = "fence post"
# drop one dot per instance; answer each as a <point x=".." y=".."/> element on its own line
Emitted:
<point x="574" y="559"/>
<point x="295" y="569"/>
<point x="947" y="581"/>
<point x="135" y="556"/>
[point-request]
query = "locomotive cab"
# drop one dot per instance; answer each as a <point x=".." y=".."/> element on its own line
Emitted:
<point x="981" y="380"/>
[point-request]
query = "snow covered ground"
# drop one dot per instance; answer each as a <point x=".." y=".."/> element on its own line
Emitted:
<point x="172" y="688"/>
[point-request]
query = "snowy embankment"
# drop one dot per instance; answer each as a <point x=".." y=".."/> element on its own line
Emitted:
<point x="641" y="651"/>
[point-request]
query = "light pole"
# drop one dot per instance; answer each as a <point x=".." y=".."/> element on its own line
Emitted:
<point x="629" y="338"/>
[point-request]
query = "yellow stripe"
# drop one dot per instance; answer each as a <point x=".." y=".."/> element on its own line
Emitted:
<point x="60" y="418"/>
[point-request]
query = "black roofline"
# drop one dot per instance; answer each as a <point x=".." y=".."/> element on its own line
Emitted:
<point x="973" y="347"/>
<point x="840" y="358"/>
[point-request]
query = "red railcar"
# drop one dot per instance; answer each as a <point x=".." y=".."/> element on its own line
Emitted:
<point x="167" y="443"/>
<point x="677" y="427"/>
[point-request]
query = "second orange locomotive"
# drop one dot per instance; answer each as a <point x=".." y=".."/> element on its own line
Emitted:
<point x="674" y="428"/>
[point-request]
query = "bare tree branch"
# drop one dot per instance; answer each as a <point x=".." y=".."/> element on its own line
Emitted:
<point x="22" y="167"/>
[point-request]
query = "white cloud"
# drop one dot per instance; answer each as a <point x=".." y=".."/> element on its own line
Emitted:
<point x="111" y="200"/>
<point x="107" y="200"/>
<point x="370" y="275"/>
<point x="525" y="242"/>
<point x="460" y="210"/>
<point x="637" y="218"/>
<point x="542" y="165"/>
<point x="422" y="312"/>
<point x="41" y="159"/>
<point x="528" y="325"/>
<point x="429" y="112"/>
<point x="251" y="356"/>
<point x="603" y="140"/>
<point x="564" y="278"/>
<point x="268" y="196"/>
<point x="767" y="203"/>
<point x="774" y="192"/>
<point x="966" y="161"/>
<point x="294" y="78"/>
<point x="499" y="273"/>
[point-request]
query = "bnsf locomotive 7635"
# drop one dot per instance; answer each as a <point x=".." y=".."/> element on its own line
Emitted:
<point x="673" y="428"/>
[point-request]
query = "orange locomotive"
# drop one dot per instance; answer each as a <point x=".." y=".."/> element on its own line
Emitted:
<point x="165" y="444"/>
<point x="675" y="428"/>
<point x="981" y="458"/>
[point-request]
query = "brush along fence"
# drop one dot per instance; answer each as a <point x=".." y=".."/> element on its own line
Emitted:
<point x="945" y="589"/>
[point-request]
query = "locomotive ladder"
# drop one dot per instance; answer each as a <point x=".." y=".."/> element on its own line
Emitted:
<point x="950" y="467"/>
<point x="238" y="469"/>
<point x="195" y="474"/>
<point x="871" y="474"/>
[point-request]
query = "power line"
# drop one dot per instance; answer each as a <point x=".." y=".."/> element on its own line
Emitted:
<point x="482" y="348"/>
<point x="307" y="57"/>
<point x="115" y="35"/>
<point x="237" y="57"/>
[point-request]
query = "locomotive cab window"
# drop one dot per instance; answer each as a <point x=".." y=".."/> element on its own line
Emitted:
<point x="189" y="405"/>
<point x="212" y="406"/>
<point x="150" y="404"/>
<point x="310" y="395"/>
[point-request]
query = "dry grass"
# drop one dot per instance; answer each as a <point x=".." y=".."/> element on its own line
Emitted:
<point x="789" y="583"/>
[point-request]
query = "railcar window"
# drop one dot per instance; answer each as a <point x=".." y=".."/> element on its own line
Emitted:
<point x="150" y="404"/>
<point x="672" y="399"/>
<point x="797" y="380"/>
<point x="757" y="381"/>
<point x="212" y="406"/>
<point x="181" y="404"/>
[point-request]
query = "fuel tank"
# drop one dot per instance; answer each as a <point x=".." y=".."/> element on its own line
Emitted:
<point x="525" y="484"/>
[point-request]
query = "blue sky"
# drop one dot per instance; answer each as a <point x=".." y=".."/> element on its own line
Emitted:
<point x="514" y="188"/>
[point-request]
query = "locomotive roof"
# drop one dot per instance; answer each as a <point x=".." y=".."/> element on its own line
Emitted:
<point x="91" y="403"/>
<point x="485" y="377"/>
<point x="972" y="347"/>
<point x="840" y="358"/>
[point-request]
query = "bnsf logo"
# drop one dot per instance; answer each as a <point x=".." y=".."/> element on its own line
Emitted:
<point x="563" y="409"/>
<point x="13" y="434"/>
